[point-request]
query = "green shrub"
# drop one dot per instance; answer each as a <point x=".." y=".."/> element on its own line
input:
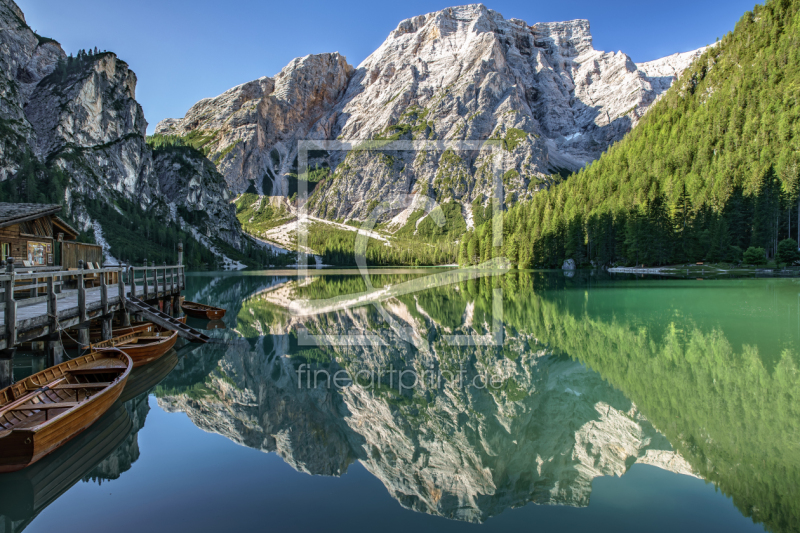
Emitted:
<point x="755" y="256"/>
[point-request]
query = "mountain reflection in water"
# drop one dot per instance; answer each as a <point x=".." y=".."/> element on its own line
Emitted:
<point x="596" y="375"/>
<point x="592" y="376"/>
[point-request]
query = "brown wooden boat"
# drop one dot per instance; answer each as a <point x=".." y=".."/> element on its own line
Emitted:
<point x="45" y="410"/>
<point x="24" y="494"/>
<point x="196" y="310"/>
<point x="142" y="346"/>
<point x="96" y="335"/>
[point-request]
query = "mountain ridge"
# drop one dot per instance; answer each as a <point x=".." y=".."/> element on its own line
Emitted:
<point x="460" y="73"/>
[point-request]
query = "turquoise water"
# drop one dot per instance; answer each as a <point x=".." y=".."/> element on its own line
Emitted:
<point x="509" y="402"/>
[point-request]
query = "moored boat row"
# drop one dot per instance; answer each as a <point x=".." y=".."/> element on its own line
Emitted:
<point x="44" y="411"/>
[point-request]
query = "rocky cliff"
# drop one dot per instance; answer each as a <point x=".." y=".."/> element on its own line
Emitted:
<point x="251" y="130"/>
<point x="79" y="115"/>
<point x="463" y="73"/>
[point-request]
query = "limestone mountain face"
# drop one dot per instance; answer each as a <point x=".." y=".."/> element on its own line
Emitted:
<point x="24" y="60"/>
<point x="252" y="130"/>
<point x="463" y="73"/>
<point x="89" y="123"/>
<point x="188" y="180"/>
<point x="81" y="115"/>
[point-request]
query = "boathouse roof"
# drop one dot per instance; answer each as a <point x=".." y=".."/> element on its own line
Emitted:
<point x="11" y="214"/>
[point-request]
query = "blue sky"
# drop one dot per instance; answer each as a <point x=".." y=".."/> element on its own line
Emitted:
<point x="184" y="50"/>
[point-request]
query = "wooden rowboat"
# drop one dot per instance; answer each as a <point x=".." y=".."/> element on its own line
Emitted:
<point x="95" y="335"/>
<point x="196" y="310"/>
<point x="44" y="411"/>
<point x="24" y="494"/>
<point x="142" y="346"/>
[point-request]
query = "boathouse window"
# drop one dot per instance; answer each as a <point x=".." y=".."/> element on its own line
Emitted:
<point x="37" y="253"/>
<point x="5" y="250"/>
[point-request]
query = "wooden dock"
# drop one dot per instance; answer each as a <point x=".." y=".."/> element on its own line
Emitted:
<point x="52" y="307"/>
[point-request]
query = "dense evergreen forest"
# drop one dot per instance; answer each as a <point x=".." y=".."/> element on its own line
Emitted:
<point x="710" y="173"/>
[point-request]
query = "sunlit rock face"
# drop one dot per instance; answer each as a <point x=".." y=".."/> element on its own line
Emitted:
<point x="86" y="121"/>
<point x="253" y="128"/>
<point x="463" y="73"/>
<point x="447" y="447"/>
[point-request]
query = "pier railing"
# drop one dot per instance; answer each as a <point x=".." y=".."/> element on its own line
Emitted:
<point x="26" y="289"/>
<point x="155" y="280"/>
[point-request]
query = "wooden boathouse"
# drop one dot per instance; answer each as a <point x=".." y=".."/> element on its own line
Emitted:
<point x="51" y="286"/>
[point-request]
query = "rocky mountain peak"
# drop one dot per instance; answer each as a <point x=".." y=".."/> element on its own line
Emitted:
<point x="570" y="38"/>
<point x="461" y="73"/>
<point x="250" y="131"/>
<point x="78" y="115"/>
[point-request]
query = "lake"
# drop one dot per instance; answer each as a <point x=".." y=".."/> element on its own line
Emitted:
<point x="422" y="400"/>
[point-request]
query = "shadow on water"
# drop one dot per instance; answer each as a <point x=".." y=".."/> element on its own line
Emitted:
<point x="101" y="453"/>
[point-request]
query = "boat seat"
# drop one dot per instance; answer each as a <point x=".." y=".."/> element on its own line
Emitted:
<point x="40" y="406"/>
<point x="82" y="385"/>
<point x="98" y="370"/>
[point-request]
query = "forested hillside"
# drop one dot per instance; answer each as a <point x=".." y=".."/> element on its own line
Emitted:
<point x="710" y="171"/>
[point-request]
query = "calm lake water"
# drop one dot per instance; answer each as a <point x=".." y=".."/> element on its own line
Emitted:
<point x="522" y="401"/>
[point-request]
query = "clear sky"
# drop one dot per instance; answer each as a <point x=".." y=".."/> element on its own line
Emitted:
<point x="185" y="50"/>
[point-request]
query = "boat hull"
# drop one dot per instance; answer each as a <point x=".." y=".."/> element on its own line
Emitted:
<point x="145" y="353"/>
<point x="210" y="313"/>
<point x="96" y="336"/>
<point x="23" y="447"/>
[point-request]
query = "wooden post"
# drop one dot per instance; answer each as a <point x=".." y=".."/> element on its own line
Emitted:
<point x="146" y="288"/>
<point x="103" y="293"/>
<point x="168" y="305"/>
<point x="125" y="318"/>
<point x="81" y="293"/>
<point x="181" y="279"/>
<point x="54" y="351"/>
<point x="11" y="306"/>
<point x="52" y="305"/>
<point x="6" y="367"/>
<point x="132" y="280"/>
<point x="106" y="320"/>
<point x="83" y="337"/>
<point x="155" y="279"/>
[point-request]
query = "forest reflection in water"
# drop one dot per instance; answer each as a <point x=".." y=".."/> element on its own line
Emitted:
<point x="594" y="375"/>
